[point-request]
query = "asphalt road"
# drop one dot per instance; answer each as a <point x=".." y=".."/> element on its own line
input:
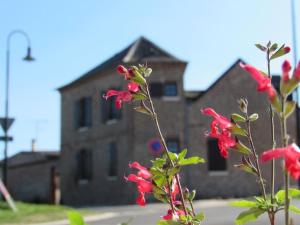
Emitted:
<point x="217" y="212"/>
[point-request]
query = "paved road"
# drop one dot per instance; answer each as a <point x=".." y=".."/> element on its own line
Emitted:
<point x="217" y="212"/>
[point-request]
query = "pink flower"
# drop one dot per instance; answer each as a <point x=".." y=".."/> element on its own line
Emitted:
<point x="123" y="96"/>
<point x="142" y="180"/>
<point x="286" y="68"/>
<point x="297" y="72"/>
<point x="133" y="87"/>
<point x="263" y="82"/>
<point x="126" y="72"/>
<point x="170" y="215"/>
<point x="220" y="129"/>
<point x="291" y="155"/>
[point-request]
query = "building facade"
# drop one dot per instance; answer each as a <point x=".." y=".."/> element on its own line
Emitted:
<point x="33" y="176"/>
<point x="98" y="141"/>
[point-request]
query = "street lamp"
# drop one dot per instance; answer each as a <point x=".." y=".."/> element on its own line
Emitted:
<point x="6" y="122"/>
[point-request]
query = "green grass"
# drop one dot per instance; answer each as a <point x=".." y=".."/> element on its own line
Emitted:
<point x="34" y="213"/>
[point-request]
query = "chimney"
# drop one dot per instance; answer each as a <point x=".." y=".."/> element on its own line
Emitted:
<point x="33" y="145"/>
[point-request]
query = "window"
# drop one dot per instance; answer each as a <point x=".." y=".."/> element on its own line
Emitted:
<point x="173" y="145"/>
<point x="112" y="160"/>
<point x="109" y="110"/>
<point x="83" y="113"/>
<point x="215" y="161"/>
<point x="84" y="165"/>
<point x="170" y="89"/>
<point x="156" y="89"/>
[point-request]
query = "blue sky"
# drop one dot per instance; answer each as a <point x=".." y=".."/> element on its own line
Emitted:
<point x="70" y="37"/>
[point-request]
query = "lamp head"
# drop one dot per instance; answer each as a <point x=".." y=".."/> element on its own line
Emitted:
<point x="28" y="57"/>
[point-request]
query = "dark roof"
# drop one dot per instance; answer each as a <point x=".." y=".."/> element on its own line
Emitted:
<point x="141" y="50"/>
<point x="28" y="157"/>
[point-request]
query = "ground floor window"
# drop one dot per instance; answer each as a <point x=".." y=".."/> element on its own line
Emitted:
<point x="214" y="160"/>
<point x="112" y="160"/>
<point x="84" y="165"/>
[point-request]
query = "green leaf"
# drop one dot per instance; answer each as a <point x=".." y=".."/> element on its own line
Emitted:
<point x="280" y="52"/>
<point x="248" y="216"/>
<point x="138" y="78"/>
<point x="158" y="162"/>
<point x="242" y="148"/>
<point x="289" y="108"/>
<point x="182" y="154"/>
<point x="173" y="156"/>
<point x="191" y="160"/>
<point x="280" y="195"/>
<point x="238" y="131"/>
<point x="168" y="222"/>
<point x="244" y="203"/>
<point x="139" y="96"/>
<point x="294" y="209"/>
<point x="200" y="216"/>
<point x="142" y="109"/>
<point x="246" y="168"/>
<point x="253" y="117"/>
<point x="260" y="47"/>
<point x="159" y="180"/>
<point x="274" y="47"/>
<point x="75" y="218"/>
<point x="238" y="118"/>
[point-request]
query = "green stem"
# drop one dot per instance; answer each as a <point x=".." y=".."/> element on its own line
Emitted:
<point x="273" y="144"/>
<point x="286" y="176"/>
<point x="155" y="118"/>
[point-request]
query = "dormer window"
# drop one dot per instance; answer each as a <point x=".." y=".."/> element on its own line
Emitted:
<point x="170" y="89"/>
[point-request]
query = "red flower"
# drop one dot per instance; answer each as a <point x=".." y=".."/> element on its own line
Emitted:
<point x="170" y="215"/>
<point x="142" y="180"/>
<point x="286" y="68"/>
<point x="263" y="82"/>
<point x="133" y="87"/>
<point x="297" y="72"/>
<point x="123" y="96"/>
<point x="220" y="129"/>
<point x="126" y="72"/>
<point x="291" y="155"/>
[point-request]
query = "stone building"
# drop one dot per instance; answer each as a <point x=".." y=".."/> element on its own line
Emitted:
<point x="33" y="176"/>
<point x="98" y="141"/>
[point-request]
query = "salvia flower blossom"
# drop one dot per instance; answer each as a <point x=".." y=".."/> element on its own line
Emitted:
<point x="220" y="129"/>
<point x="128" y="73"/>
<point x="170" y="215"/>
<point x="123" y="96"/>
<point x="297" y="72"/>
<point x="291" y="155"/>
<point x="143" y="182"/>
<point x="263" y="82"/>
<point x="286" y="68"/>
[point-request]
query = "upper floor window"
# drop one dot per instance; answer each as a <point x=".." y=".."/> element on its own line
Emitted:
<point x="156" y="89"/>
<point x="109" y="110"/>
<point x="84" y="165"/>
<point x="215" y="161"/>
<point x="173" y="145"/>
<point x="167" y="89"/>
<point x="83" y="112"/>
<point x="170" y="89"/>
<point x="112" y="160"/>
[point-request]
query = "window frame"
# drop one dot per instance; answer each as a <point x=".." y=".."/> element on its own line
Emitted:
<point x="173" y="139"/>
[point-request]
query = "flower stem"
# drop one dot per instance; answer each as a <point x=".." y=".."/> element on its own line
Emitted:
<point x="155" y="118"/>
<point x="286" y="176"/>
<point x="273" y="145"/>
<point x="257" y="167"/>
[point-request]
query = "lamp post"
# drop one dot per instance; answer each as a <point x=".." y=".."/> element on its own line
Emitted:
<point x="6" y="122"/>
